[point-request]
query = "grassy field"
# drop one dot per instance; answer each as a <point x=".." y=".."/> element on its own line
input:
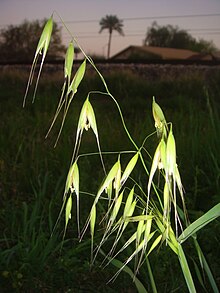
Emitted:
<point x="33" y="174"/>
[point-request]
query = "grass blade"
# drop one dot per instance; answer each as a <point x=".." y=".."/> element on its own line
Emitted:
<point x="206" y="268"/>
<point x="186" y="270"/>
<point x="208" y="217"/>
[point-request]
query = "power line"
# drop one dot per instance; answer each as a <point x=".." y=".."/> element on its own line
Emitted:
<point x="140" y="18"/>
<point x="173" y="16"/>
<point x="203" y="29"/>
<point x="90" y="34"/>
<point x="144" y="31"/>
<point x="149" y="17"/>
<point x="209" y="33"/>
<point x="131" y="35"/>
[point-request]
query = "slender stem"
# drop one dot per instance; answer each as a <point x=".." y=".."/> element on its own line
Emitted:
<point x="153" y="285"/>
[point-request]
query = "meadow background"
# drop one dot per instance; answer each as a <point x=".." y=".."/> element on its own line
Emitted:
<point x="33" y="172"/>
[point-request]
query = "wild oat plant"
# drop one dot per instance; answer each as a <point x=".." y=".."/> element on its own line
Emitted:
<point x="155" y="215"/>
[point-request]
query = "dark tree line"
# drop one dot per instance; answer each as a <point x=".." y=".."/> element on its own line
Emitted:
<point x="174" y="37"/>
<point x="18" y="42"/>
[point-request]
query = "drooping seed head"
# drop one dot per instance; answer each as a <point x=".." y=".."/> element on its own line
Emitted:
<point x="129" y="168"/>
<point x="69" y="61"/>
<point x="170" y="154"/>
<point x="87" y="118"/>
<point x="159" y="119"/>
<point x="68" y="210"/>
<point x="77" y="78"/>
<point x="72" y="182"/>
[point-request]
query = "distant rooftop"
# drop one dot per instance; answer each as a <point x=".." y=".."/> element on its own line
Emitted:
<point x="150" y="52"/>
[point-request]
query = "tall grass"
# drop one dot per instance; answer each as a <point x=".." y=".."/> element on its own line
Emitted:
<point x="154" y="209"/>
<point x="194" y="122"/>
<point x="195" y="125"/>
<point x="32" y="260"/>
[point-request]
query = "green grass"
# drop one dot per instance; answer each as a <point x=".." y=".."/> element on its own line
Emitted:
<point x="33" y="173"/>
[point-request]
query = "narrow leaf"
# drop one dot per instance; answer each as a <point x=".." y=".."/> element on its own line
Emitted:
<point x="206" y="267"/>
<point x="186" y="270"/>
<point x="208" y="217"/>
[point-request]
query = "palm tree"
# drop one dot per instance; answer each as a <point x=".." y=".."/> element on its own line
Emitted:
<point x="111" y="23"/>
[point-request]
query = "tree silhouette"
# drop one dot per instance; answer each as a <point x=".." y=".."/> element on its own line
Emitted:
<point x="174" y="37"/>
<point x="18" y="42"/>
<point x="111" y="23"/>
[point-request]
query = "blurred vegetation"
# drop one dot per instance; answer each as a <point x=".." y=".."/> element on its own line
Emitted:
<point x="18" y="42"/>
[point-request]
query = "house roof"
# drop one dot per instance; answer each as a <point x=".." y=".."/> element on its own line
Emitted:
<point x="155" y="52"/>
<point x="216" y="55"/>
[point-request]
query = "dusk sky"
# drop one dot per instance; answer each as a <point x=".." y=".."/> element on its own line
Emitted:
<point x="82" y="18"/>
